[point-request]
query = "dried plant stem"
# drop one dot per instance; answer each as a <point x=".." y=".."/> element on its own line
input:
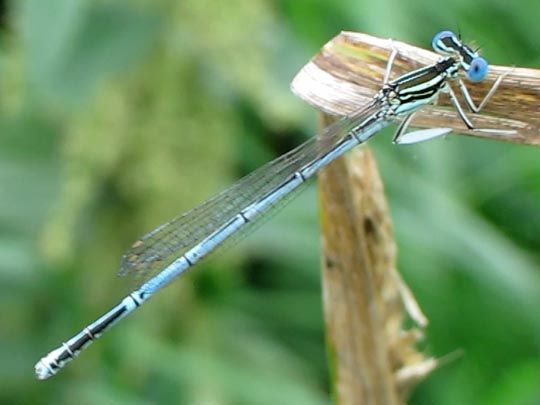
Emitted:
<point x="364" y="298"/>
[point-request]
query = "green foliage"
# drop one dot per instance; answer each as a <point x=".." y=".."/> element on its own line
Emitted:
<point x="117" y="115"/>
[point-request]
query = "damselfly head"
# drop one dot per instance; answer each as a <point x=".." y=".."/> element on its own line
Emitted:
<point x="448" y="43"/>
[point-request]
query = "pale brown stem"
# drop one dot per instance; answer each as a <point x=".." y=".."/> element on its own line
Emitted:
<point x="364" y="299"/>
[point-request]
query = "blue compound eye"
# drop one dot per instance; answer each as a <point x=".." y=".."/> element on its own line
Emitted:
<point x="478" y="69"/>
<point x="444" y="42"/>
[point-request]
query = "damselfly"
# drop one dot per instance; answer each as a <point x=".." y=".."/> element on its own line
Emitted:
<point x="167" y="252"/>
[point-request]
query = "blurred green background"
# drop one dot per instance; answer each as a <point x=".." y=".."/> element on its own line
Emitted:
<point x="117" y="115"/>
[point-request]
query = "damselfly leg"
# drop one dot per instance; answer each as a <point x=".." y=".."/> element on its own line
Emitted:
<point x="472" y="106"/>
<point x="402" y="137"/>
<point x="390" y="62"/>
<point x="468" y="99"/>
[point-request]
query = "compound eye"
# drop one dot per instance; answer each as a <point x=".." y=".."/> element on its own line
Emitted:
<point x="445" y="42"/>
<point x="478" y="69"/>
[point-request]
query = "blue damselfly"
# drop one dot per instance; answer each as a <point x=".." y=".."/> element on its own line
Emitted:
<point x="171" y="249"/>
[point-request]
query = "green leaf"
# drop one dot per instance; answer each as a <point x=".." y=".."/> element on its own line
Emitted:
<point x="73" y="45"/>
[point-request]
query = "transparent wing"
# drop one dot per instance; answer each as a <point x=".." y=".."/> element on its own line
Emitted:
<point x="155" y="250"/>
